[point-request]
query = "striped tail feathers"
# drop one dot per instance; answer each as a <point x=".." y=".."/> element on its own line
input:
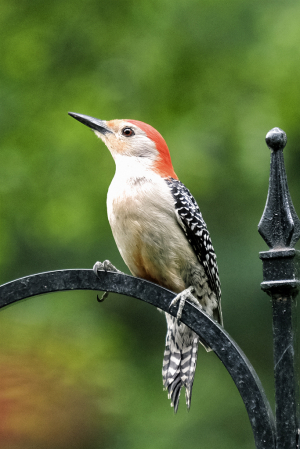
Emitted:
<point x="188" y="366"/>
<point x="179" y="370"/>
<point x="171" y="374"/>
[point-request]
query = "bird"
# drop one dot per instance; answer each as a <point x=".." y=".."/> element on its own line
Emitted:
<point x="161" y="236"/>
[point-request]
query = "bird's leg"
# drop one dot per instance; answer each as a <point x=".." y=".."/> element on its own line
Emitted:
<point x="104" y="266"/>
<point x="182" y="297"/>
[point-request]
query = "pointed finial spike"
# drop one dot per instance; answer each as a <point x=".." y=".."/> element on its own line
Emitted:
<point x="279" y="225"/>
<point x="276" y="139"/>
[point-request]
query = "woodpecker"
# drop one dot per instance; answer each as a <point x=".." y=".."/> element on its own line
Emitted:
<point x="161" y="235"/>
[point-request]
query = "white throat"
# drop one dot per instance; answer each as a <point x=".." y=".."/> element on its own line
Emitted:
<point x="133" y="167"/>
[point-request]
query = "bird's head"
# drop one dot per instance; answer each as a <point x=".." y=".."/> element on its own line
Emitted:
<point x="132" y="138"/>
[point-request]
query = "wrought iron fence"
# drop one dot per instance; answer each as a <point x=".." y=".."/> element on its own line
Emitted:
<point x="280" y="228"/>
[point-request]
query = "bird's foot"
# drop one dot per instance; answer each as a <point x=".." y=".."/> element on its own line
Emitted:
<point x="104" y="266"/>
<point x="182" y="297"/>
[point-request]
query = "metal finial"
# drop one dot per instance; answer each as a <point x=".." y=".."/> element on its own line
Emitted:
<point x="279" y="225"/>
<point x="276" y="139"/>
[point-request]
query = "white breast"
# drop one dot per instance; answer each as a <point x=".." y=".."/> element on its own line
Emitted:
<point x="142" y="217"/>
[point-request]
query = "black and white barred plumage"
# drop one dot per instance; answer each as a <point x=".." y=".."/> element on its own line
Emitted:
<point x="191" y="220"/>
<point x="180" y="356"/>
<point x="179" y="362"/>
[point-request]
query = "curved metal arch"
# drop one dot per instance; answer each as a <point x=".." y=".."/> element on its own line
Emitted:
<point x="209" y="331"/>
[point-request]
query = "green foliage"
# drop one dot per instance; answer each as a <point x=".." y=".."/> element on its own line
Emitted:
<point x="213" y="77"/>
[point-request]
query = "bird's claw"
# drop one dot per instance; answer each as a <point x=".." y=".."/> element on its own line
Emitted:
<point x="182" y="297"/>
<point x="103" y="297"/>
<point x="104" y="266"/>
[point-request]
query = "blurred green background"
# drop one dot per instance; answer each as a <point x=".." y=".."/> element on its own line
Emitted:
<point x="213" y="77"/>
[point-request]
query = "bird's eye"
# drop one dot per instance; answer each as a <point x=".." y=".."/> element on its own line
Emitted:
<point x="127" y="132"/>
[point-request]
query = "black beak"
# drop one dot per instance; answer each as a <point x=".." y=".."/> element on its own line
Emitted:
<point x="91" y="122"/>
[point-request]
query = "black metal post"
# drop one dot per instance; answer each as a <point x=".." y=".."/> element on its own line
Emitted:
<point x="280" y="228"/>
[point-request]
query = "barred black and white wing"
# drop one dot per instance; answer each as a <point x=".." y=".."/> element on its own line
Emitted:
<point x="191" y="221"/>
<point x="180" y="355"/>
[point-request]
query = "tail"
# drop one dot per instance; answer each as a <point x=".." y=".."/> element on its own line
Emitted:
<point x="179" y="365"/>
